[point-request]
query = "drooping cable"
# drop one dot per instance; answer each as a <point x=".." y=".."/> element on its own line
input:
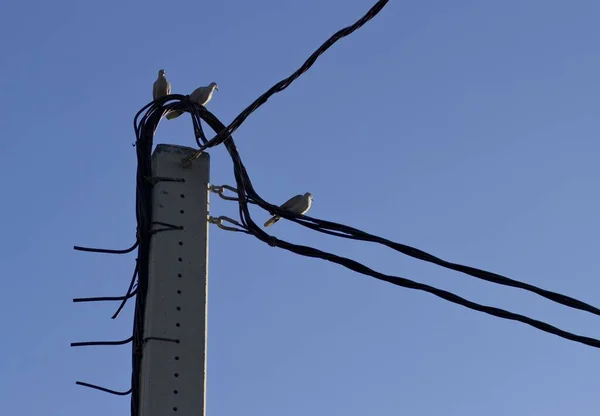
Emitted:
<point x="246" y="194"/>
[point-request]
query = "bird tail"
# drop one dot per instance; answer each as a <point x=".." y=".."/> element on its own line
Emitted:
<point x="272" y="221"/>
<point x="174" y="114"/>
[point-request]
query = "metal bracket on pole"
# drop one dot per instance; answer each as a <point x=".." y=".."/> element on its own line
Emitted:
<point x="173" y="369"/>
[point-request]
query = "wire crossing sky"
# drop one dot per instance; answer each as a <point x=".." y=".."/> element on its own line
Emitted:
<point x="465" y="129"/>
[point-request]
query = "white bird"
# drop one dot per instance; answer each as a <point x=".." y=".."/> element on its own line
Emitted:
<point x="298" y="204"/>
<point x="200" y="96"/>
<point x="161" y="86"/>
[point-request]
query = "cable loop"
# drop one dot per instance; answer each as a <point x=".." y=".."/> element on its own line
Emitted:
<point x="219" y="223"/>
<point x="221" y="189"/>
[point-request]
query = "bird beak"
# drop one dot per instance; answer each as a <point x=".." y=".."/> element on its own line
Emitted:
<point x="216" y="88"/>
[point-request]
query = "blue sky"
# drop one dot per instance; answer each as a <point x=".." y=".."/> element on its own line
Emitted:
<point x="465" y="128"/>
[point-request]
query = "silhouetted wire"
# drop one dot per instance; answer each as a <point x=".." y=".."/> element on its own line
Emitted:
<point x="144" y="140"/>
<point x="344" y="231"/>
<point x="129" y="292"/>
<point x="245" y="188"/>
<point x="105" y="250"/>
<point x="104" y="389"/>
<point x="451" y="297"/>
<point x="246" y="191"/>
<point x="105" y="298"/>
<point x="101" y="343"/>
<point x="222" y="135"/>
<point x="318" y="225"/>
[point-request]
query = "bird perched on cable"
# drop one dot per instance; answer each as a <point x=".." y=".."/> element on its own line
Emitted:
<point x="161" y="86"/>
<point x="200" y="96"/>
<point x="298" y="204"/>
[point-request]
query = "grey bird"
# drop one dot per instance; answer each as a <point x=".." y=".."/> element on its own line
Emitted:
<point x="161" y="86"/>
<point x="200" y="96"/>
<point x="298" y="204"/>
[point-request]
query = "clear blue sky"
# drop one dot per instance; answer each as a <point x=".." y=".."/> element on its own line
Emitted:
<point x="466" y="128"/>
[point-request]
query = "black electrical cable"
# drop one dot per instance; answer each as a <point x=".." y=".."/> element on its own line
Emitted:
<point x="144" y="139"/>
<point x="246" y="193"/>
<point x="244" y="183"/>
<point x="105" y="298"/>
<point x="340" y="230"/>
<point x="451" y="297"/>
<point x="106" y="251"/>
<point x="129" y="292"/>
<point x="104" y="389"/>
<point x="101" y="343"/>
<point x="344" y="231"/>
<point x="222" y="135"/>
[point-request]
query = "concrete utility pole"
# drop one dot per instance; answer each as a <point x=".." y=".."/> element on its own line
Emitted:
<point x="173" y="375"/>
